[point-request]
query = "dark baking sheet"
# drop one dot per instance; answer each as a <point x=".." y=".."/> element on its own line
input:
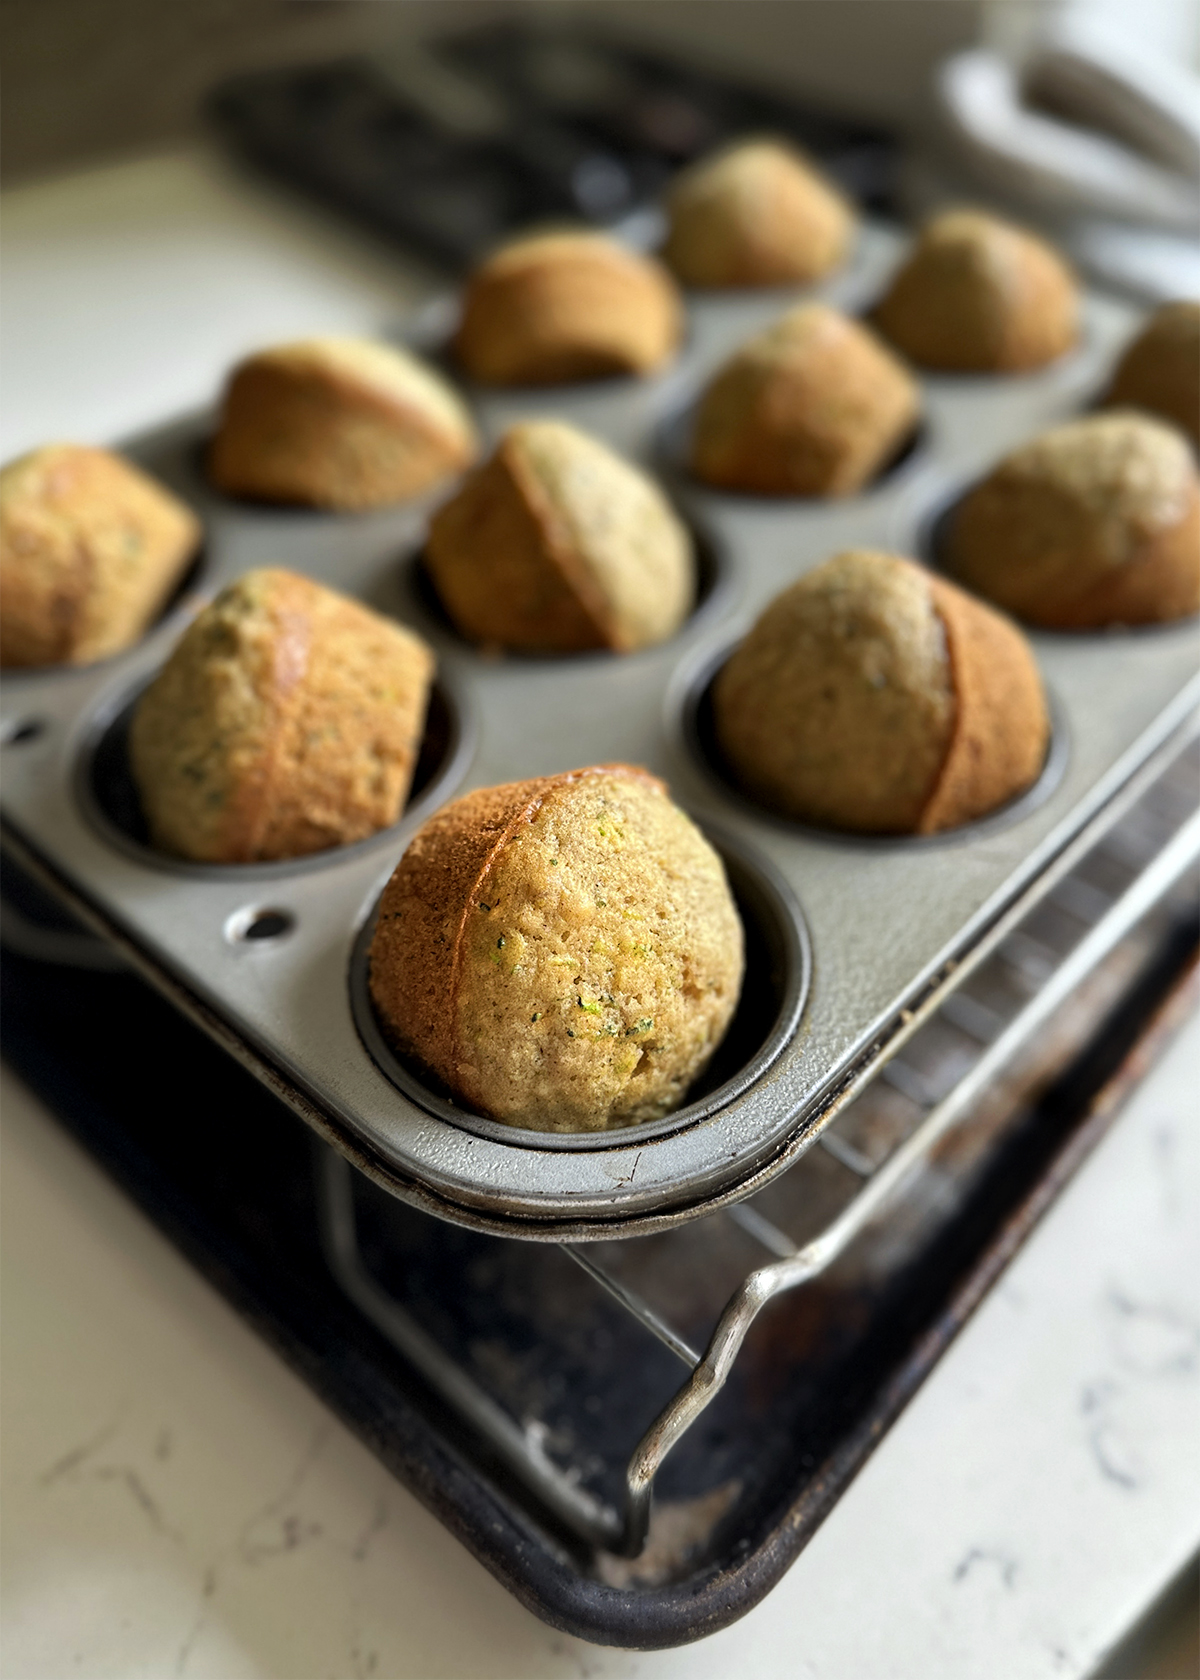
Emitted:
<point x="230" y="1181"/>
<point x="511" y="123"/>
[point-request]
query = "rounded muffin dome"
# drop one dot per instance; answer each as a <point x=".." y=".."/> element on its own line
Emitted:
<point x="1160" y="369"/>
<point x="1093" y="523"/>
<point x="288" y="719"/>
<point x="563" y="954"/>
<point x="558" y="545"/>
<point x="755" y="214"/>
<point x="872" y="696"/>
<point x="339" y="423"/>
<point x="813" y="406"/>
<point x="978" y="295"/>
<point x="91" y="549"/>
<point x="552" y="308"/>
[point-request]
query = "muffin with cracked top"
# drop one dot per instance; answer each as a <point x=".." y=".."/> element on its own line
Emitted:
<point x="563" y="954"/>
<point x="555" y="308"/>
<point x="287" y="720"/>
<point x="1091" y="524"/>
<point x="558" y="545"/>
<point x="755" y="214"/>
<point x="813" y="406"/>
<point x="873" y="696"/>
<point x="978" y="295"/>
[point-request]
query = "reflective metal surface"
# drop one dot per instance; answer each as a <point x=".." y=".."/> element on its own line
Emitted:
<point x="893" y="925"/>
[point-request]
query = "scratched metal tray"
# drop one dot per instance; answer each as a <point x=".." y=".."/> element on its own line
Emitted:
<point x="852" y="939"/>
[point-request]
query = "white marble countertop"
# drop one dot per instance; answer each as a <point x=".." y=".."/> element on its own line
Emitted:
<point x="175" y="1502"/>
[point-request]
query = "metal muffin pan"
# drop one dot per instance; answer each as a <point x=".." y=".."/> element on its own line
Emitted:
<point x="863" y="933"/>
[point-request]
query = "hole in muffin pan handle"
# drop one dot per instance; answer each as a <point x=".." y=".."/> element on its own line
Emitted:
<point x="521" y="1450"/>
<point x="20" y="731"/>
<point x="258" y="924"/>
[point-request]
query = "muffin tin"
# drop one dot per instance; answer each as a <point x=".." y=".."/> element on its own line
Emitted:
<point x="853" y="937"/>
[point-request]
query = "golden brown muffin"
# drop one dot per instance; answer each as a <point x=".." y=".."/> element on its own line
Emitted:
<point x="1160" y="370"/>
<point x="1096" y="522"/>
<point x="90" y="552"/>
<point x="874" y="696"/>
<point x="813" y="406"/>
<point x="755" y="214"/>
<point x="978" y="295"/>
<point x="564" y="954"/>
<point x="556" y="544"/>
<point x="341" y="423"/>
<point x="557" y="307"/>
<point x="287" y="720"/>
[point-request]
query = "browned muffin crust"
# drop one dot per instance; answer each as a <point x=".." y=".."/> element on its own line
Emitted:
<point x="287" y="720"/>
<point x="755" y="214"/>
<point x="563" y="953"/>
<point x="558" y="307"/>
<point x="1160" y="369"/>
<point x="813" y="406"/>
<point x="977" y="295"/>
<point x="558" y="545"/>
<point x="1001" y="731"/>
<point x="339" y="423"/>
<point x="1093" y="523"/>
<point x="872" y="697"/>
<point x="90" y="552"/>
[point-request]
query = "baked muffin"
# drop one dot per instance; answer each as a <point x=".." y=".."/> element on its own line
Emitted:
<point x="556" y="544"/>
<point x="556" y="307"/>
<point x="287" y="720"/>
<point x="813" y="406"/>
<point x="563" y="954"/>
<point x="874" y="696"/>
<point x="978" y="295"/>
<point x="340" y="423"/>
<point x="1096" y="522"/>
<point x="755" y="214"/>
<point x="90" y="552"/>
<point x="1160" y="370"/>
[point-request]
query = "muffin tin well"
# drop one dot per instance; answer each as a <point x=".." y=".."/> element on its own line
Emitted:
<point x="862" y="934"/>
<point x="778" y="970"/>
<point x="108" y="794"/>
<point x="699" y="738"/>
<point x="933" y="536"/>
<point x="674" y="448"/>
<point x="411" y="595"/>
